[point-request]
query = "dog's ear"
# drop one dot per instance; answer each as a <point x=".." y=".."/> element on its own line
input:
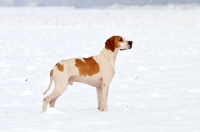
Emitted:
<point x="112" y="43"/>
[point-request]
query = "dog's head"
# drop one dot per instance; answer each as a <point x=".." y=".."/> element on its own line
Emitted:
<point x="117" y="42"/>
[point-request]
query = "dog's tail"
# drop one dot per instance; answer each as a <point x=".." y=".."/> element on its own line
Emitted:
<point x="51" y="81"/>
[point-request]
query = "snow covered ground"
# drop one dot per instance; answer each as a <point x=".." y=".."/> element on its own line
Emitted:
<point x="156" y="87"/>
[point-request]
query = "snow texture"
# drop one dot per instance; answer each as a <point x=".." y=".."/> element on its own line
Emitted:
<point x="156" y="87"/>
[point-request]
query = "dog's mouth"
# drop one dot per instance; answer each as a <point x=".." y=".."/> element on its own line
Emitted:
<point x="126" y="49"/>
<point x="123" y="49"/>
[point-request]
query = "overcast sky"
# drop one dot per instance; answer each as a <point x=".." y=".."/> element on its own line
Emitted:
<point x="92" y="3"/>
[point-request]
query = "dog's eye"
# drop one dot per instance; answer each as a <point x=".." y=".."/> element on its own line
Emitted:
<point x="121" y="40"/>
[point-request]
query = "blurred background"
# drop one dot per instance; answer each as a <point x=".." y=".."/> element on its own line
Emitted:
<point x="93" y="3"/>
<point x="156" y="87"/>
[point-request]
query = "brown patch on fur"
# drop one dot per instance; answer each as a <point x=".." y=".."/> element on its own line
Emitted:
<point x="60" y="67"/>
<point x="51" y="73"/>
<point x="113" y="42"/>
<point x="87" y="67"/>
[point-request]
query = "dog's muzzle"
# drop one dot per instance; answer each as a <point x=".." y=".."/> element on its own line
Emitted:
<point x="130" y="44"/>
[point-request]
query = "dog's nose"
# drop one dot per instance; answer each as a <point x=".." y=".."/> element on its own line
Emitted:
<point x="130" y="43"/>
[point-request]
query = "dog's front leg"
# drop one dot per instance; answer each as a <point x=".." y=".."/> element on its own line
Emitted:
<point x="99" y="96"/>
<point x="103" y="97"/>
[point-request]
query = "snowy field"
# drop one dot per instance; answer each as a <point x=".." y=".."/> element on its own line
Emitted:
<point x="156" y="87"/>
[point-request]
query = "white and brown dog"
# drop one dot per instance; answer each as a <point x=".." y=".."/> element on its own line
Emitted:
<point x="96" y="71"/>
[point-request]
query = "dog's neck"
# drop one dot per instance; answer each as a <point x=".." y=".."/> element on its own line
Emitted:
<point x="111" y="55"/>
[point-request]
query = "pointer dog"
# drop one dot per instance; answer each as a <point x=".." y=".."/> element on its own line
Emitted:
<point x="96" y="71"/>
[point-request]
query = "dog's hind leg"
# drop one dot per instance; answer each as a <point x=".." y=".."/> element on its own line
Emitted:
<point x="52" y="102"/>
<point x="47" y="99"/>
<point x="51" y="99"/>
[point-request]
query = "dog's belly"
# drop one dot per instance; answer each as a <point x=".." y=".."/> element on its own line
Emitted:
<point x="93" y="81"/>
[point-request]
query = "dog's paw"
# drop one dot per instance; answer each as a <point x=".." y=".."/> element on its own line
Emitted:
<point x="103" y="109"/>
